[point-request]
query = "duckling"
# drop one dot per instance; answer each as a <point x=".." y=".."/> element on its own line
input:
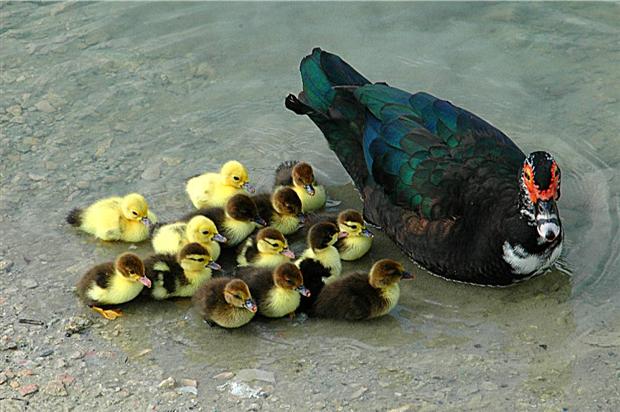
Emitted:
<point x="281" y="210"/>
<point x="225" y="302"/>
<point x="113" y="283"/>
<point x="361" y="296"/>
<point x="172" y="237"/>
<point x="267" y="249"/>
<point x="236" y="221"/>
<point x="300" y="176"/>
<point x="321" y="239"/>
<point x="214" y="189"/>
<point x="115" y="218"/>
<point x="277" y="292"/>
<point x="358" y="240"/>
<point x="181" y="275"/>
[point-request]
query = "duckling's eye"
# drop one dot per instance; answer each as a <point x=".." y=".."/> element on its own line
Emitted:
<point x="134" y="213"/>
<point x="199" y="260"/>
<point x="290" y="282"/>
<point x="236" y="178"/>
<point x="205" y="232"/>
<point x="238" y="297"/>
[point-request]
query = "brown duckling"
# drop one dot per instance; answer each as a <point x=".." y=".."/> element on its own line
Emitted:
<point x="267" y="249"/>
<point x="113" y="283"/>
<point x="179" y="275"/>
<point x="277" y="292"/>
<point x="225" y="302"/>
<point x="321" y="240"/>
<point x="281" y="210"/>
<point x="236" y="221"/>
<point x="361" y="296"/>
<point x="300" y="177"/>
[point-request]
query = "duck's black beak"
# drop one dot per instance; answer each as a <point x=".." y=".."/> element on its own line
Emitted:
<point x="547" y="220"/>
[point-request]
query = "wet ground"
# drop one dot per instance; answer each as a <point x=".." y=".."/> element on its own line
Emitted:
<point x="102" y="99"/>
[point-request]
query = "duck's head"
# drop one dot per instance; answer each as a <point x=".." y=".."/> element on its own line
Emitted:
<point x="201" y="229"/>
<point x="131" y="266"/>
<point x="134" y="207"/>
<point x="288" y="276"/>
<point x="323" y="235"/>
<point x="195" y="258"/>
<point x="236" y="175"/>
<point x="286" y="202"/>
<point x="303" y="176"/>
<point x="540" y="189"/>
<point x="237" y="294"/>
<point x="242" y="207"/>
<point x="273" y="242"/>
<point x="386" y="272"/>
<point x="351" y="222"/>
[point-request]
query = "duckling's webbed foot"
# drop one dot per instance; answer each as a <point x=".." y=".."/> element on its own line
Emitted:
<point x="109" y="314"/>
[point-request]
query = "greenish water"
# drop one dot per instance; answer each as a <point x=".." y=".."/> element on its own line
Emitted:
<point x="107" y="98"/>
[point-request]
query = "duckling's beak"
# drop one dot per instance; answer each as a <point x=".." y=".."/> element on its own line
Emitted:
<point x="259" y="220"/>
<point x="303" y="291"/>
<point x="248" y="187"/>
<point x="342" y="235"/>
<point x="214" y="265"/>
<point x="367" y="233"/>
<point x="250" y="305"/>
<point x="309" y="189"/>
<point x="407" y="275"/>
<point x="145" y="281"/>
<point x="146" y="221"/>
<point x="301" y="217"/>
<point x="220" y="238"/>
<point x="288" y="253"/>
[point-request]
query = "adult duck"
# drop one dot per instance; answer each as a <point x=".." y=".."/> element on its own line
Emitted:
<point x="454" y="192"/>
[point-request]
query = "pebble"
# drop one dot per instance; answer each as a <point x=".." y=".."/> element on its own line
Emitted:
<point x="358" y="393"/>
<point x="28" y="389"/>
<point x="35" y="177"/>
<point x="224" y="375"/>
<point x="55" y="388"/>
<point x="15" y="110"/>
<point x="45" y="107"/>
<point x="188" y="389"/>
<point x="5" y="265"/>
<point x="189" y="382"/>
<point x="152" y="172"/>
<point x="169" y="382"/>
<point x="46" y="353"/>
<point x="256" y="374"/>
<point x="404" y="408"/>
<point x="29" y="283"/>
<point x="76" y="355"/>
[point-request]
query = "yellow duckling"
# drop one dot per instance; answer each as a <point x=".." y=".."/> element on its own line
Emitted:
<point x="115" y="218"/>
<point x="214" y="189"/>
<point x="267" y="250"/>
<point x="236" y="222"/>
<point x="181" y="275"/>
<point x="281" y="210"/>
<point x="225" y="302"/>
<point x="300" y="176"/>
<point x="113" y="283"/>
<point x="277" y="292"/>
<point x="200" y="229"/>
<point x="321" y="240"/>
<point x="361" y="296"/>
<point x="358" y="240"/>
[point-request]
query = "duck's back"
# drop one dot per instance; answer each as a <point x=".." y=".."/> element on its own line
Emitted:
<point x="349" y="298"/>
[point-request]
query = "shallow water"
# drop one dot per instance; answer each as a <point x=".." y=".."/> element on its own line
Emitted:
<point x="101" y="99"/>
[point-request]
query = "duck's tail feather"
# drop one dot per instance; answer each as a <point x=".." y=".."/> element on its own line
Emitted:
<point x="74" y="218"/>
<point x="327" y="99"/>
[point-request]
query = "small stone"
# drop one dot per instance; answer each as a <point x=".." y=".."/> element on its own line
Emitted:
<point x="60" y="364"/>
<point x="55" y="388"/>
<point x="66" y="379"/>
<point x="188" y="389"/>
<point x="77" y="324"/>
<point x="358" y="393"/>
<point x="120" y="127"/>
<point x="488" y="386"/>
<point x="35" y="177"/>
<point x="224" y="375"/>
<point x="5" y="265"/>
<point x="29" y="283"/>
<point x="169" y="382"/>
<point x="82" y="184"/>
<point x="76" y="355"/>
<point x="404" y="408"/>
<point x="103" y="147"/>
<point x="15" y="110"/>
<point x="3" y="378"/>
<point x="253" y="407"/>
<point x="46" y="353"/>
<point x="189" y="382"/>
<point x="152" y="172"/>
<point x="45" y="106"/>
<point x="256" y="374"/>
<point x="28" y="389"/>
<point x="14" y="384"/>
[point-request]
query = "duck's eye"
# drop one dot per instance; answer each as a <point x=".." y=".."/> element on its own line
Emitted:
<point x="200" y="260"/>
<point x="236" y="178"/>
<point x="205" y="232"/>
<point x="290" y="282"/>
<point x="134" y="213"/>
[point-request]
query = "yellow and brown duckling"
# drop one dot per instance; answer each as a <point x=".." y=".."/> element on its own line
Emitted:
<point x="360" y="296"/>
<point x="281" y="210"/>
<point x="277" y="292"/>
<point x="321" y="240"/>
<point x="267" y="249"/>
<point x="358" y="240"/>
<point x="125" y="218"/>
<point x="225" y="302"/>
<point x="179" y="276"/>
<point x="236" y="221"/>
<point x="300" y="177"/>
<point x="214" y="189"/>
<point x="113" y="283"/>
<point x="172" y="237"/>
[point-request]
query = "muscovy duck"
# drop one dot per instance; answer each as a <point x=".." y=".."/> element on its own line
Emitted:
<point x="454" y="192"/>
